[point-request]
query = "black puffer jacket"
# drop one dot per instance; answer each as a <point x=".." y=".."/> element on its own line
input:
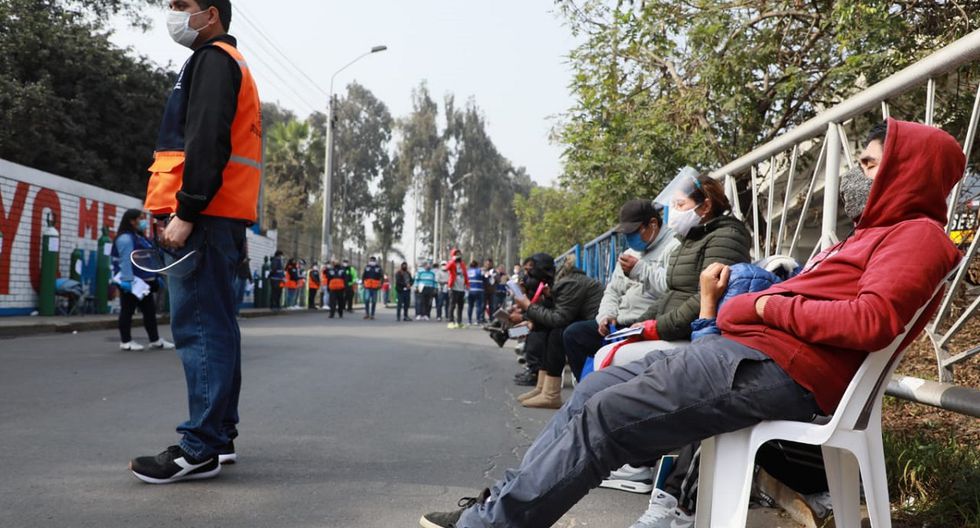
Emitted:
<point x="723" y="239"/>
<point x="576" y="298"/>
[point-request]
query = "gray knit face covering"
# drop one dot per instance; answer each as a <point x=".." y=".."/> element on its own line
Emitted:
<point x="854" y="190"/>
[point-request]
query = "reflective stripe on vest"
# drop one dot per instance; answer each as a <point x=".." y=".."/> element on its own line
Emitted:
<point x="239" y="192"/>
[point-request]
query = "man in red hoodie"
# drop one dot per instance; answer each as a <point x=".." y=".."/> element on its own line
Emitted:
<point x="786" y="353"/>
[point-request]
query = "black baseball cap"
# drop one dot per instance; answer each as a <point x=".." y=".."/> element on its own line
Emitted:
<point x="635" y="213"/>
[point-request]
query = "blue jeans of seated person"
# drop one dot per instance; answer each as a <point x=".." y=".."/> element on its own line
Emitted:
<point x="202" y="315"/>
<point x="475" y="299"/>
<point x="637" y="413"/>
<point x="582" y="340"/>
<point x="370" y="301"/>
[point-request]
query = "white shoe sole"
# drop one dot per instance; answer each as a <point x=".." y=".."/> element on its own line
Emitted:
<point x="627" y="485"/>
<point x="228" y="459"/>
<point x="425" y="523"/>
<point x="192" y="476"/>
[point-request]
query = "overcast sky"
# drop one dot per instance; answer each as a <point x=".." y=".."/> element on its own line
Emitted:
<point x="510" y="55"/>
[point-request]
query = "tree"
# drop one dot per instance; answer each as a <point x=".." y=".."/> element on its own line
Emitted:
<point x="291" y="185"/>
<point x="662" y="84"/>
<point x="70" y="102"/>
<point x="362" y="131"/>
<point x="389" y="207"/>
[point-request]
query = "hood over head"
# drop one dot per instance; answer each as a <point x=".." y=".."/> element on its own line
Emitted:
<point x="919" y="167"/>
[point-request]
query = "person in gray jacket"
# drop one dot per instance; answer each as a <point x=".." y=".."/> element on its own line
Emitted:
<point x="640" y="278"/>
<point x="566" y="297"/>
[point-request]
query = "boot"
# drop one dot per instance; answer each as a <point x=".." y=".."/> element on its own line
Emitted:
<point x="550" y="397"/>
<point x="536" y="390"/>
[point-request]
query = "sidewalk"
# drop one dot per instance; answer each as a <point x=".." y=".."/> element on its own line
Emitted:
<point x="27" y="325"/>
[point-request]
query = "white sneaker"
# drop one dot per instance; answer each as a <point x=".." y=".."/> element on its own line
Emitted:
<point x="663" y="513"/>
<point x="162" y="344"/>
<point x="131" y="345"/>
<point x="631" y="479"/>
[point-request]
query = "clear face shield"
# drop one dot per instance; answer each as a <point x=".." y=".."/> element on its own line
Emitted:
<point x="682" y="193"/>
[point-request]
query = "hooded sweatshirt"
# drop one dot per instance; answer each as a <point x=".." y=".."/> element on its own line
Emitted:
<point x="821" y="325"/>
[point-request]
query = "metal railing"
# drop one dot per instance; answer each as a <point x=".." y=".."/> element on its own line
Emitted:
<point x="788" y="175"/>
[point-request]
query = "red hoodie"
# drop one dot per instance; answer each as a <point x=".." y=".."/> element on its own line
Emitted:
<point x="819" y="326"/>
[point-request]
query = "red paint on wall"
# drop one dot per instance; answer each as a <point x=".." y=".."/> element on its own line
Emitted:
<point x="9" y="222"/>
<point x="45" y="201"/>
<point x="88" y="219"/>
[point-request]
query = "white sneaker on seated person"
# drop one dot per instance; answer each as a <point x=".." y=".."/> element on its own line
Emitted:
<point x="631" y="479"/>
<point x="663" y="513"/>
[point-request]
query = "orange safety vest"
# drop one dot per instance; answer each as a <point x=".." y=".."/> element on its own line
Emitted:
<point x="239" y="193"/>
<point x="314" y="280"/>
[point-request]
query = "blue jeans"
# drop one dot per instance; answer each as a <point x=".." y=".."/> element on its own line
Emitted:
<point x="370" y="301"/>
<point x="291" y="297"/>
<point x="475" y="301"/>
<point x="202" y="315"/>
<point x="636" y="413"/>
<point x="442" y="304"/>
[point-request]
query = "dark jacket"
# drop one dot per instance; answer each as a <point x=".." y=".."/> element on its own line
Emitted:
<point x="723" y="239"/>
<point x="403" y="281"/>
<point x="576" y="298"/>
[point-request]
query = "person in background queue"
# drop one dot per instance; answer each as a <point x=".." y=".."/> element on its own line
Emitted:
<point x="291" y="283"/>
<point x="425" y="282"/>
<point x="459" y="283"/>
<point x="313" y="279"/>
<point x="130" y="237"/>
<point x="352" y="279"/>
<point x="205" y="185"/>
<point x="403" y="289"/>
<point x="336" y="279"/>
<point x="277" y="275"/>
<point x="442" y="291"/>
<point x="373" y="278"/>
<point x="477" y="283"/>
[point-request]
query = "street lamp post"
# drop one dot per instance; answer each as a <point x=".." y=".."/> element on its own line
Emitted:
<point x="326" y="241"/>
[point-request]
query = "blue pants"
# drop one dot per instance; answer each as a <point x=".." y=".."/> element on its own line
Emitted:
<point x="637" y="413"/>
<point x="475" y="301"/>
<point x="370" y="301"/>
<point x="202" y="313"/>
<point x="442" y="303"/>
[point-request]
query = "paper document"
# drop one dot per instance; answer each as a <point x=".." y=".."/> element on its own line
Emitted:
<point x="626" y="332"/>
<point x="140" y="288"/>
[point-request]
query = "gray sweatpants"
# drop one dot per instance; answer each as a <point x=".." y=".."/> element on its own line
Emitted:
<point x="636" y="413"/>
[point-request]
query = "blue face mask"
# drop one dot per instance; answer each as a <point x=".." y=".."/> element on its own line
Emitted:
<point x="635" y="242"/>
<point x="143" y="225"/>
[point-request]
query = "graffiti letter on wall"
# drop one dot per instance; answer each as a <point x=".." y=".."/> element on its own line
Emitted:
<point x="9" y="222"/>
<point x="88" y="218"/>
<point x="109" y="219"/>
<point x="44" y="199"/>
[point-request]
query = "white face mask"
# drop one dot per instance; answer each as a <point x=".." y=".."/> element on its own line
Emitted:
<point x="682" y="222"/>
<point x="179" y="25"/>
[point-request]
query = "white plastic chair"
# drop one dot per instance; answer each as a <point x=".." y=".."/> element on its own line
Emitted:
<point x="851" y="444"/>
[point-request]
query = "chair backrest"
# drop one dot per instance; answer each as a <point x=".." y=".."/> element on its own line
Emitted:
<point x="865" y="391"/>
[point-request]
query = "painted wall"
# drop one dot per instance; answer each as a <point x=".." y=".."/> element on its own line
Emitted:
<point x="79" y="210"/>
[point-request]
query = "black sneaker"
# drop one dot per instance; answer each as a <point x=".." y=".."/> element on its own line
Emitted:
<point x="226" y="453"/>
<point x="449" y="519"/>
<point x="526" y="379"/>
<point x="173" y="465"/>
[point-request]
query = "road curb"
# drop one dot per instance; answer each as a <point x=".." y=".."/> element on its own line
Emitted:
<point x="42" y="328"/>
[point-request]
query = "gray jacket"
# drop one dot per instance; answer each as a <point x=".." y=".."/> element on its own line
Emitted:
<point x="627" y="298"/>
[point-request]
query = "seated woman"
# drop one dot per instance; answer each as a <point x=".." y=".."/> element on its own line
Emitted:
<point x="698" y="211"/>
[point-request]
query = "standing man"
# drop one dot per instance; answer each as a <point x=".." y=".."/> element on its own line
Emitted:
<point x="277" y="274"/>
<point x="425" y="282"/>
<point x="459" y="283"/>
<point x="336" y="278"/>
<point x="205" y="186"/>
<point x="374" y="278"/>
<point x="442" y="291"/>
<point x="351" y="283"/>
<point x="313" y="280"/>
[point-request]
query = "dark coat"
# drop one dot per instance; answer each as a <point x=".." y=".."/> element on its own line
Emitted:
<point x="576" y="298"/>
<point x="723" y="239"/>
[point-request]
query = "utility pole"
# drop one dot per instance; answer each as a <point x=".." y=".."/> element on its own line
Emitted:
<point x="326" y="240"/>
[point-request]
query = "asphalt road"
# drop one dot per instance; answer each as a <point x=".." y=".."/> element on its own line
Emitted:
<point x="345" y="423"/>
